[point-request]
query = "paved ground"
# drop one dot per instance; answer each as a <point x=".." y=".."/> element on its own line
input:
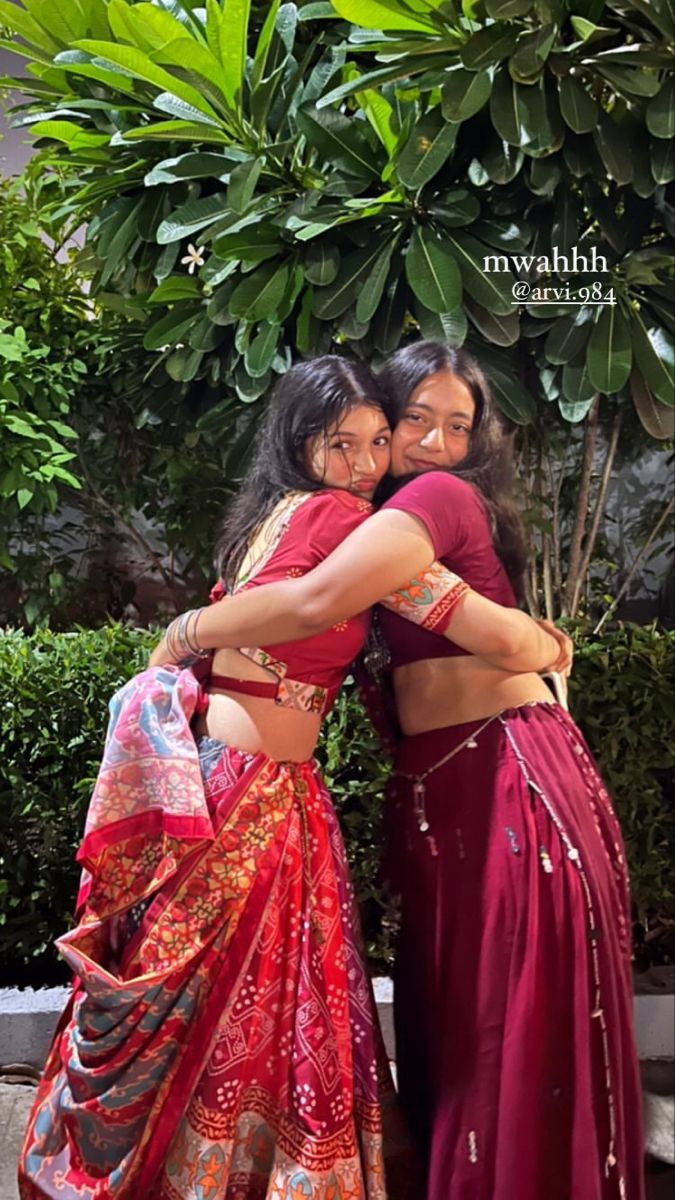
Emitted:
<point x="15" y="1101"/>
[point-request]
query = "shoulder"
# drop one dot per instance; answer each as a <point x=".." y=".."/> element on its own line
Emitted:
<point x="326" y="518"/>
<point x="336" y="500"/>
<point x="435" y="488"/>
<point x="333" y="504"/>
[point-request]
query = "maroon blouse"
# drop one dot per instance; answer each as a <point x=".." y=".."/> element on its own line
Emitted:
<point x="459" y="526"/>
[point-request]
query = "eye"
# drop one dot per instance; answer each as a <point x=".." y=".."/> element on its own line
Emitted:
<point x="383" y="440"/>
<point x="460" y="429"/>
<point x="344" y="446"/>
<point x="414" y="417"/>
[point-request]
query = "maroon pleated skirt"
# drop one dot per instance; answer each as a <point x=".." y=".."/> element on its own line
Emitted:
<point x="513" y="998"/>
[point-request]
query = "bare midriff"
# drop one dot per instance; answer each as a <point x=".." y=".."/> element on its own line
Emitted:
<point x="436" y="692"/>
<point x="256" y="724"/>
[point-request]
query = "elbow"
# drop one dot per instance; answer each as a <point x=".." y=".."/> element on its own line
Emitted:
<point x="314" y="610"/>
<point x="508" y="645"/>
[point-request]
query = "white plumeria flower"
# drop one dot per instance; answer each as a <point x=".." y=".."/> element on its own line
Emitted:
<point x="194" y="258"/>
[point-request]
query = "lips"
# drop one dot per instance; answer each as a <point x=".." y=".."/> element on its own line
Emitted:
<point x="423" y="464"/>
<point x="366" y="485"/>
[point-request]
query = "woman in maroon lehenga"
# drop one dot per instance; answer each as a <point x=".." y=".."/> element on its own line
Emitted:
<point x="513" y="996"/>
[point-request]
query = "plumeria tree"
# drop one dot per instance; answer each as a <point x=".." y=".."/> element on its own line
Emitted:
<point x="266" y="181"/>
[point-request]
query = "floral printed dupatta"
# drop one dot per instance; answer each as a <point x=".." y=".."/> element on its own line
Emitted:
<point x="220" y="1041"/>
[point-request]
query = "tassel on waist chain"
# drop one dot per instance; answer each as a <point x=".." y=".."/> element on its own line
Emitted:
<point x="417" y="780"/>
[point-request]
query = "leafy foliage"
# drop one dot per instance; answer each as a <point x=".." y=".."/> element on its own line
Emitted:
<point x="42" y="310"/>
<point x="54" y="689"/>
<point x="343" y="172"/>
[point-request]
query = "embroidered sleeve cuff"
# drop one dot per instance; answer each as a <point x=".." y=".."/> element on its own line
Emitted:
<point x="430" y="599"/>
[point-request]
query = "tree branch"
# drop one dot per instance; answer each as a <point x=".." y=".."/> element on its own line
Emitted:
<point x="599" y="510"/>
<point x="590" y="436"/>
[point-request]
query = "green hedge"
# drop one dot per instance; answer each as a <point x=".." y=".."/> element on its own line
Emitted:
<point x="54" y="690"/>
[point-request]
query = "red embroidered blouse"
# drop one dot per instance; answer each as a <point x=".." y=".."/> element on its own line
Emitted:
<point x="460" y="529"/>
<point x="316" y="527"/>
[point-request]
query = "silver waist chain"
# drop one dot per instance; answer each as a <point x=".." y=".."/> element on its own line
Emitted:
<point x="420" y="791"/>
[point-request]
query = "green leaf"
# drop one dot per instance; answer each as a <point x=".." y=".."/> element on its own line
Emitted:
<point x="577" y="388"/>
<point x="71" y="134"/>
<point x="263" y="45"/>
<point x="575" y="411"/>
<point x="243" y="182"/>
<point x="614" y="149"/>
<point x="501" y="161"/>
<point x="653" y="351"/>
<point x="171" y="131"/>
<point x="609" y="355"/>
<point x="506" y="10"/>
<point x="512" y="398"/>
<point x="338" y="140"/>
<point x="489" y="46"/>
<point x="628" y="81"/>
<point x="544" y="176"/>
<point x="430" y="143"/>
<point x="322" y="261"/>
<point x="578" y="108"/>
<point x="226" y="31"/>
<point x="432" y="271"/>
<point x="183" y="364"/>
<point x="262" y="349"/>
<point x="175" y="287"/>
<point x="190" y="166"/>
<point x="258" y="295"/>
<point x="33" y="32"/>
<point x="455" y="208"/>
<point x="330" y="302"/>
<point x="255" y="243"/>
<point x="191" y="217"/>
<point x="387" y="324"/>
<point x="663" y="160"/>
<point x="492" y="289"/>
<point x="173" y="106"/>
<point x="384" y="14"/>
<point x="567" y="337"/>
<point x="464" y="93"/>
<point x="524" y="115"/>
<point x="140" y="66"/>
<point x="371" y="293"/>
<point x="529" y="59"/>
<point x="500" y="329"/>
<point x="450" y="328"/>
<point x="658" y="419"/>
<point x="660" y="114"/>
<point x="380" y="114"/>
<point x="169" y="329"/>
<point x="250" y="388"/>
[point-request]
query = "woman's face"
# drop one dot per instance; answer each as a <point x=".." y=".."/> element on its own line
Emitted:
<point x="353" y="453"/>
<point x="435" y="428"/>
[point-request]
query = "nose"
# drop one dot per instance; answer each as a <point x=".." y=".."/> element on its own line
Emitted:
<point x="364" y="462"/>
<point x="433" y="439"/>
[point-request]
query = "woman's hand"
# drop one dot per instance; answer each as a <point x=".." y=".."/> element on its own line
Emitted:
<point x="563" y="663"/>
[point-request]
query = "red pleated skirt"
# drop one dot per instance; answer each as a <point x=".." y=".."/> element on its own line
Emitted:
<point x="513" y="998"/>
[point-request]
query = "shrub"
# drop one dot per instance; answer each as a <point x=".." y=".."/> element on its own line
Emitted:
<point x="54" y="690"/>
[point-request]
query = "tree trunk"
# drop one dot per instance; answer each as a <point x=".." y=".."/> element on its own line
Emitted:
<point x="590" y="438"/>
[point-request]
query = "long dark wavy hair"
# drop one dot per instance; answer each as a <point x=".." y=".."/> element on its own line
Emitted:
<point x="310" y="398"/>
<point x="488" y="464"/>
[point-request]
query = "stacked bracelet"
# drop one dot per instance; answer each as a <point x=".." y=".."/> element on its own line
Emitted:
<point x="181" y="637"/>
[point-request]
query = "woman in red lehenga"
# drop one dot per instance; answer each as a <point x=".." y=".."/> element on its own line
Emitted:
<point x="221" y="1042"/>
<point x="513" y="998"/>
